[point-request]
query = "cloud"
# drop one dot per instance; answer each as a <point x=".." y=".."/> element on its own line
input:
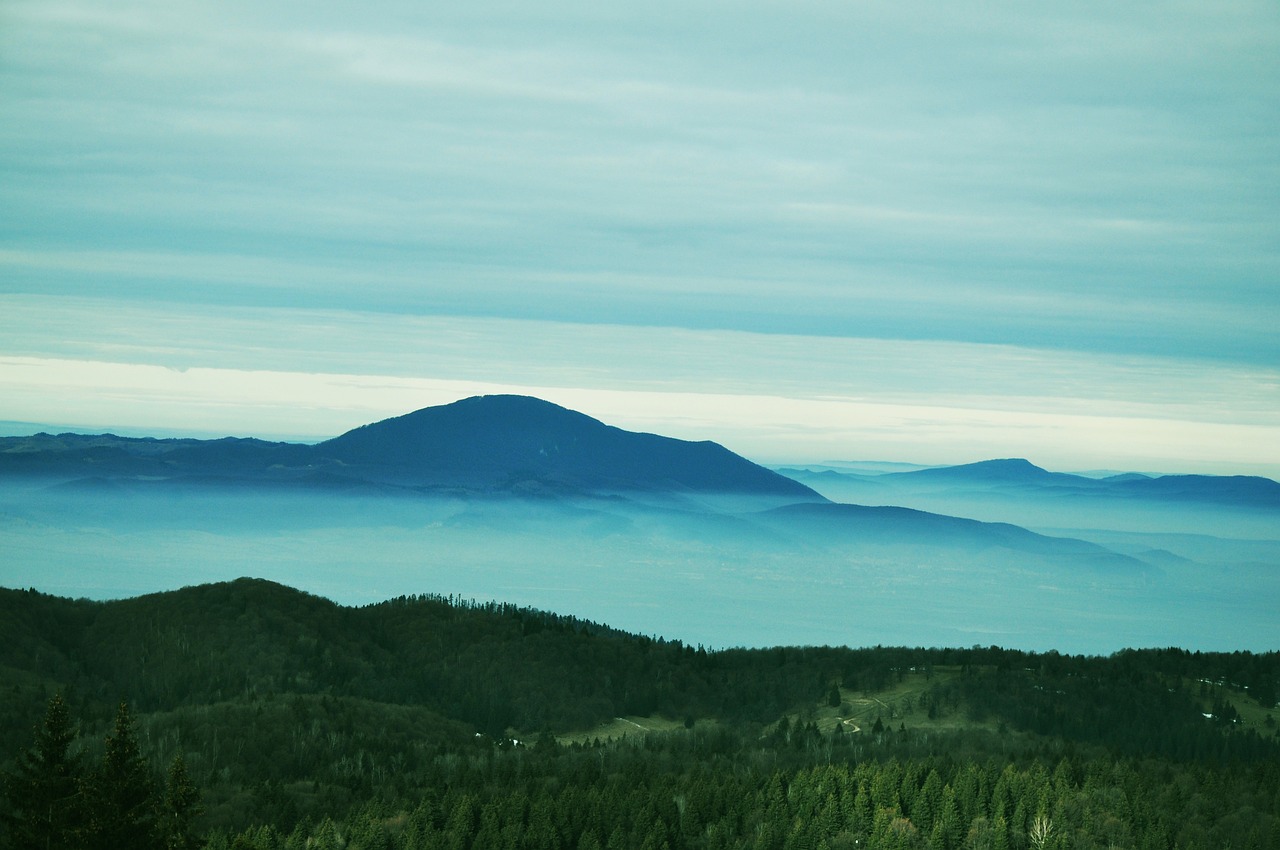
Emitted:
<point x="298" y="405"/>
<point x="1083" y="180"/>
<point x="316" y="373"/>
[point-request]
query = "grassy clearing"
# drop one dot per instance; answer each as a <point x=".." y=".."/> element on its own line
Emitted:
<point x="1252" y="715"/>
<point x="896" y="706"/>
<point x="621" y="727"/>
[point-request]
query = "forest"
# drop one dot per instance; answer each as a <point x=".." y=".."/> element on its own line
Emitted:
<point x="247" y="714"/>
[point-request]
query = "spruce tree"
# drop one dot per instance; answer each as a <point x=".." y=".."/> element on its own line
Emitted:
<point x="45" y="806"/>
<point x="181" y="804"/>
<point x="1000" y="834"/>
<point x="121" y="793"/>
<point x="949" y="827"/>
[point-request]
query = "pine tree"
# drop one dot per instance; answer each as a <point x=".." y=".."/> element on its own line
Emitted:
<point x="1000" y="834"/>
<point x="949" y="827"/>
<point x="863" y="815"/>
<point x="181" y="804"/>
<point x="45" y="805"/>
<point x="542" y="828"/>
<point x="121" y="793"/>
<point x="927" y="803"/>
<point x="327" y="836"/>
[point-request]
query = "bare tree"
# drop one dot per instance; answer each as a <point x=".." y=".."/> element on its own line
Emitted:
<point x="1041" y="829"/>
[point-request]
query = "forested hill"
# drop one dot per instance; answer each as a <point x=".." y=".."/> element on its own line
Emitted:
<point x="287" y="707"/>
<point x="496" y="667"/>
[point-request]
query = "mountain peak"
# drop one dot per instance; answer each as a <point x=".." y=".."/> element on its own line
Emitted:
<point x="1012" y="469"/>
<point x="491" y="444"/>
<point x="513" y="441"/>
<point x="475" y="419"/>
<point x="1018" y="466"/>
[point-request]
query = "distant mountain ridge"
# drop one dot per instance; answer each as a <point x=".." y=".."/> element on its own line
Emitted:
<point x="1002" y="469"/>
<point x="889" y="525"/>
<point x="525" y="499"/>
<point x="518" y="446"/>
<point x="487" y="444"/>
<point x="1011" y="477"/>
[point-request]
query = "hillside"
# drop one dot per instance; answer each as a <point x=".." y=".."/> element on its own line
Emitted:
<point x="490" y="666"/>
<point x="306" y="723"/>
<point x="291" y="711"/>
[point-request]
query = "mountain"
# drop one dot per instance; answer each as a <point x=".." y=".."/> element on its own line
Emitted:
<point x="509" y="497"/>
<point x="1234" y="490"/>
<point x="500" y="444"/>
<point x="1001" y="471"/>
<point x="896" y="526"/>
<point x="972" y="489"/>
<point x="1249" y="491"/>
<point x="75" y="456"/>
<point x="507" y="442"/>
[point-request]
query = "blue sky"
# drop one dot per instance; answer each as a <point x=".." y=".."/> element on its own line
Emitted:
<point x="806" y="230"/>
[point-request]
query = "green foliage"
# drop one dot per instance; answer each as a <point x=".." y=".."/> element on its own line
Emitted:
<point x="121" y="793"/>
<point x="45" y="805"/>
<point x="304" y="723"/>
<point x="179" y="808"/>
<point x="54" y="801"/>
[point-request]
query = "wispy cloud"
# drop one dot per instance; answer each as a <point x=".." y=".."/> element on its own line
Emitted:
<point x="313" y="374"/>
<point x="1095" y="181"/>
<point x="311" y="405"/>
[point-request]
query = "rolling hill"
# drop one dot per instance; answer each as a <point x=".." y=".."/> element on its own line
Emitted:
<point x="428" y="721"/>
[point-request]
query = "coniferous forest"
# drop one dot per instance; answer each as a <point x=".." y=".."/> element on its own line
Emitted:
<point x="250" y="715"/>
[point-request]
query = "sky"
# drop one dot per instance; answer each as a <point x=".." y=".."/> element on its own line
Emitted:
<point x="810" y="231"/>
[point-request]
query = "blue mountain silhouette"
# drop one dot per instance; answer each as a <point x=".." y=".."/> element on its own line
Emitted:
<point x="503" y="440"/>
<point x="498" y="443"/>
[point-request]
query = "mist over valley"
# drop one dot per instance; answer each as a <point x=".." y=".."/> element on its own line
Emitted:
<point x="514" y="499"/>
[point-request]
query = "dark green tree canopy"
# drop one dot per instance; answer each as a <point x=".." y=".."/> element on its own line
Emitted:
<point x="121" y="793"/>
<point x="45" y="804"/>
